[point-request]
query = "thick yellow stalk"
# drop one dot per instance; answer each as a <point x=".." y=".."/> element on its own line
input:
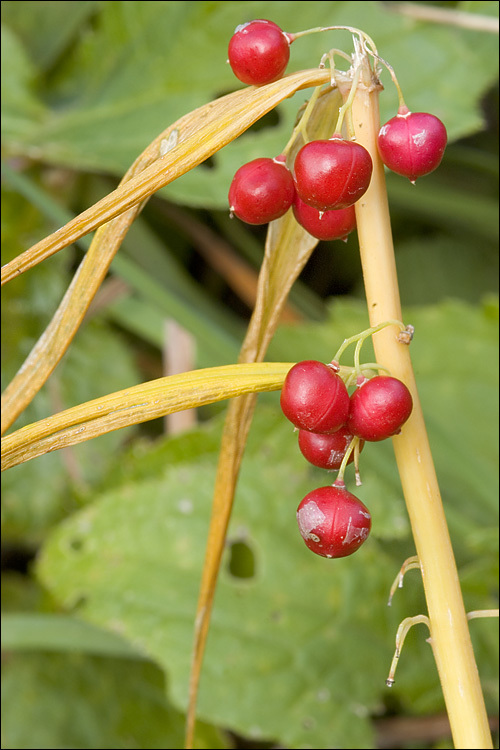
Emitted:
<point x="450" y="639"/>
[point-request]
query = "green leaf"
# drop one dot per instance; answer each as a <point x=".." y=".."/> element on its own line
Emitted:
<point x="47" y="29"/>
<point x="71" y="700"/>
<point x="253" y="639"/>
<point x="483" y="7"/>
<point x="439" y="204"/>
<point x="21" y="109"/>
<point x="431" y="269"/>
<point x="288" y="646"/>
<point x="54" y="632"/>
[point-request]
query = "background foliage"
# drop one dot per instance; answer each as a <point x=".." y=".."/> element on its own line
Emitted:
<point x="113" y="530"/>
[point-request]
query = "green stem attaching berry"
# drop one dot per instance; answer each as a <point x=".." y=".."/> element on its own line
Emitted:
<point x="352" y="448"/>
<point x="301" y="127"/>
<point x="361" y="337"/>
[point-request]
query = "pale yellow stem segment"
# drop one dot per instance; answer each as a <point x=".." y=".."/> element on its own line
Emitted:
<point x="450" y="639"/>
<point x="138" y="404"/>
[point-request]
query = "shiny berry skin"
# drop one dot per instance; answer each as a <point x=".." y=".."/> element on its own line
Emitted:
<point x="332" y="174"/>
<point x="333" y="522"/>
<point x="259" y="52"/>
<point x="326" y="225"/>
<point x="412" y="144"/>
<point x="326" y="451"/>
<point x="261" y="191"/>
<point x="379" y="408"/>
<point x="314" y="397"/>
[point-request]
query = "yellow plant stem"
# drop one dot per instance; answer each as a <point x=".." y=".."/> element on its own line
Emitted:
<point x="138" y="404"/>
<point x="450" y="639"/>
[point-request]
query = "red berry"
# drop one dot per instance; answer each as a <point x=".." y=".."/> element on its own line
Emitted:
<point x="259" y="52"/>
<point x="332" y="174"/>
<point x="314" y="397"/>
<point x="325" y="225"/>
<point x="412" y="144"/>
<point x="326" y="451"/>
<point x="262" y="190"/>
<point x="333" y="522"/>
<point x="379" y="408"/>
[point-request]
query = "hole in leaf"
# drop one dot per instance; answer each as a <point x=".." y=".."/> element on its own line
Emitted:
<point x="76" y="543"/>
<point x="241" y="560"/>
<point x="79" y="602"/>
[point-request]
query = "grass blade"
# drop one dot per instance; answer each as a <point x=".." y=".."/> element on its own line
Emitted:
<point x="288" y="248"/>
<point x="138" y="404"/>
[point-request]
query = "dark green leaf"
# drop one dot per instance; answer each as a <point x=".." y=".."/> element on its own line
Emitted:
<point x="71" y="700"/>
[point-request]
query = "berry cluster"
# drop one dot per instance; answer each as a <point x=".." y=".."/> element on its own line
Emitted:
<point x="328" y="176"/>
<point x="333" y="427"/>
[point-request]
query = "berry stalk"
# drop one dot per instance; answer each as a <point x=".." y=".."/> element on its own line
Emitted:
<point x="450" y="639"/>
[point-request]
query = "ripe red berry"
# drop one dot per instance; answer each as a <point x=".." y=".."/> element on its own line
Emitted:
<point x="333" y="522"/>
<point x="412" y="144"/>
<point x="314" y="397"/>
<point x="326" y="451"/>
<point x="259" y="52"/>
<point x="379" y="408"/>
<point x="325" y="225"/>
<point x="262" y="190"/>
<point x="332" y="174"/>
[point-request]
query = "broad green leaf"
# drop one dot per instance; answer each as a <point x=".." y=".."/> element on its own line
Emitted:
<point x="47" y="29"/>
<point x="21" y="108"/>
<point x="76" y="701"/>
<point x="288" y="646"/>
<point x="28" y="631"/>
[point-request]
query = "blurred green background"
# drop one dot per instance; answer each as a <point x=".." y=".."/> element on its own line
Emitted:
<point x="103" y="543"/>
